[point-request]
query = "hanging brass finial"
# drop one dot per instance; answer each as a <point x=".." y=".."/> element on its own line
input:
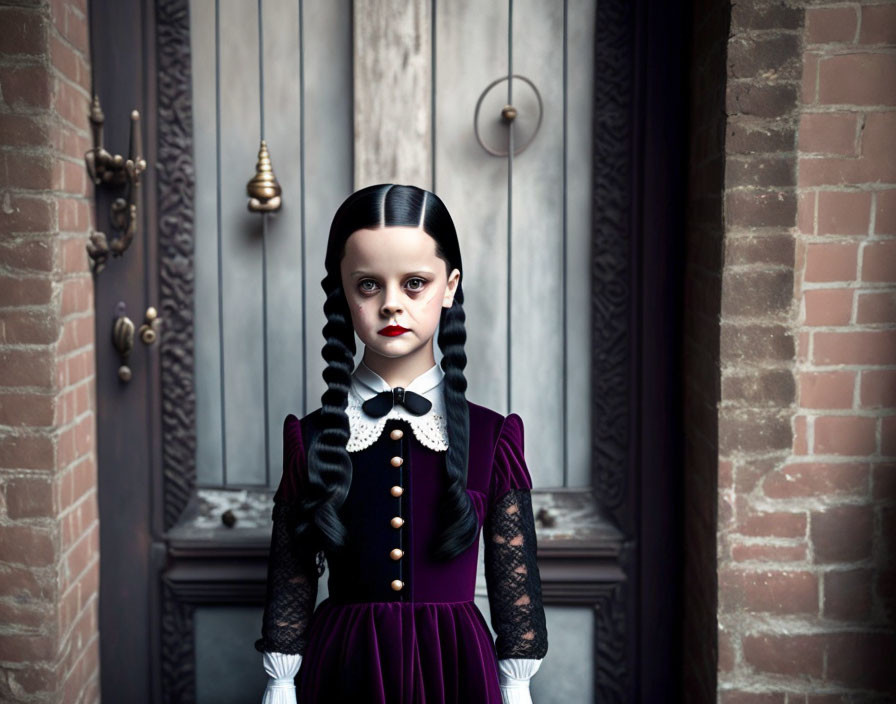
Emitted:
<point x="263" y="189"/>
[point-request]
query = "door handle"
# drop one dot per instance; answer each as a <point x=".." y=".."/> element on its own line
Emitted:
<point x="123" y="335"/>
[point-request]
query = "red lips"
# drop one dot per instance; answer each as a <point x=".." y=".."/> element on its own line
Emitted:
<point x="393" y="330"/>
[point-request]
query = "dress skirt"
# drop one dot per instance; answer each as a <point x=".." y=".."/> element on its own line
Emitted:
<point x="398" y="653"/>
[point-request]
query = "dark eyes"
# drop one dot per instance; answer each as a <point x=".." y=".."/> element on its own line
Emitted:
<point x="415" y="284"/>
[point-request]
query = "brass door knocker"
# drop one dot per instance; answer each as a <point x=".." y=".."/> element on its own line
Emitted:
<point x="123" y="335"/>
<point x="114" y="171"/>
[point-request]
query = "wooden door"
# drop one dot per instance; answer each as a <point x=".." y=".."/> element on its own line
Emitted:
<point x="573" y="235"/>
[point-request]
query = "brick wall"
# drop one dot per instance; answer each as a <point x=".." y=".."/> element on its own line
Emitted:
<point x="49" y="557"/>
<point x="806" y="474"/>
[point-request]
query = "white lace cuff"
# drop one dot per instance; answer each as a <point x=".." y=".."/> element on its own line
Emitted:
<point x="514" y="675"/>
<point x="281" y="669"/>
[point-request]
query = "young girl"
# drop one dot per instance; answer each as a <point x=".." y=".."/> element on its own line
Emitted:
<point x="393" y="478"/>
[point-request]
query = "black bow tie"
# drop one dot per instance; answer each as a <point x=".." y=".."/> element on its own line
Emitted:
<point x="379" y="405"/>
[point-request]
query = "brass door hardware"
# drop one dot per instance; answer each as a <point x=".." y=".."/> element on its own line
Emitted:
<point x="114" y="171"/>
<point x="263" y="189"/>
<point x="509" y="115"/>
<point x="123" y="335"/>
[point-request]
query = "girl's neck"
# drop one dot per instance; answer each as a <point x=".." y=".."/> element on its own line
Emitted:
<point x="400" y="371"/>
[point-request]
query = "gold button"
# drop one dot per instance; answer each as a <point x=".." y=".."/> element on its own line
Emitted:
<point x="396" y="434"/>
<point x="396" y="461"/>
<point x="396" y="490"/>
<point x="397" y="522"/>
<point x="396" y="553"/>
<point x="397" y="584"/>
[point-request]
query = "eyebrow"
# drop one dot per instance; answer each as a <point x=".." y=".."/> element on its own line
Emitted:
<point x="370" y="273"/>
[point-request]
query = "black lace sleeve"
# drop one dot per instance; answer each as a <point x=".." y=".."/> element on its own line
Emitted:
<point x="512" y="578"/>
<point x="292" y="565"/>
<point x="511" y="569"/>
<point x="291" y="589"/>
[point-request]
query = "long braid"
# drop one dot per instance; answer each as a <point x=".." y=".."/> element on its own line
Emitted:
<point x="329" y="464"/>
<point x="460" y="523"/>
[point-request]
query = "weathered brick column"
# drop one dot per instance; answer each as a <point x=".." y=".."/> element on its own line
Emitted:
<point x="807" y="440"/>
<point x="49" y="556"/>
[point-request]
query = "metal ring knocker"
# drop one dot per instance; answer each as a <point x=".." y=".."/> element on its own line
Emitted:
<point x="508" y="115"/>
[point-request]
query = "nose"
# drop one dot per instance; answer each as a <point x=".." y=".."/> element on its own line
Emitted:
<point x="391" y="301"/>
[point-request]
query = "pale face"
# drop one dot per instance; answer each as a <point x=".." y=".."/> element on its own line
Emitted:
<point x="392" y="277"/>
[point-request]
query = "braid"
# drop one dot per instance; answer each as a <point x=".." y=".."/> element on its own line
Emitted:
<point x="329" y="465"/>
<point x="460" y="523"/>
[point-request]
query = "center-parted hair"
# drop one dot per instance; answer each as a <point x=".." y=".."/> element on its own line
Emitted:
<point x="329" y="464"/>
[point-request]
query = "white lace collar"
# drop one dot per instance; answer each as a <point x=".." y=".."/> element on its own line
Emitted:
<point x="431" y="429"/>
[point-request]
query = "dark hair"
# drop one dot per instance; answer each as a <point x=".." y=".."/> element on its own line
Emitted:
<point x="329" y="464"/>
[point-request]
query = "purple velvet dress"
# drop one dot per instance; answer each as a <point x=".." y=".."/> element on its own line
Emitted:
<point x="399" y="627"/>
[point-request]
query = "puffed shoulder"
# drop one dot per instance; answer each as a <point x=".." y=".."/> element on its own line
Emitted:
<point x="509" y="470"/>
<point x="293" y="461"/>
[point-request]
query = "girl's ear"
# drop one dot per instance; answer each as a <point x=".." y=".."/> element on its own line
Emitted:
<point x="453" y="281"/>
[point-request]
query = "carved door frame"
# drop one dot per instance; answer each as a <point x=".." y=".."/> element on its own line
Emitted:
<point x="638" y="210"/>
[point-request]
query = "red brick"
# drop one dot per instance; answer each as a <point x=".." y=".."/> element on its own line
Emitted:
<point x="876" y="307"/>
<point x="879" y="133"/>
<point x="842" y="533"/>
<point x="26" y="367"/>
<point x="800" y="435"/>
<point x="26" y="87"/>
<point x="28" y="497"/>
<point x="24" y="31"/>
<point x="753" y="430"/>
<point x="847" y="594"/>
<point x="817" y="479"/>
<point x="23" y="130"/>
<point x="757" y="55"/>
<point x="883" y="479"/>
<point x="760" y="209"/>
<point x="28" y="327"/>
<point x="834" y="133"/>
<point x="878" y="389"/>
<point x="768" y="591"/>
<point x="855" y="347"/>
<point x="826" y="25"/>
<point x="809" y="84"/>
<point x="888" y="436"/>
<point x="27" y="545"/>
<point x="826" y="389"/>
<point x="805" y="213"/>
<point x="27" y="171"/>
<point x="758" y="387"/>
<point x="862" y="660"/>
<point x="885" y="218"/>
<point x="34" y="679"/>
<point x="828" y="306"/>
<point x="871" y="169"/>
<point x="755" y="343"/>
<point x="858" y="79"/>
<point x="878" y="25"/>
<point x="739" y="697"/>
<point x="27" y="409"/>
<point x="26" y="214"/>
<point x="831" y="261"/>
<point x="773" y="525"/>
<point x="762" y="552"/>
<point x="760" y="99"/>
<point x="26" y="648"/>
<point x="845" y="435"/>
<point x="800" y="655"/>
<point x="28" y="256"/>
<point x="760" y="249"/>
<point x="21" y="291"/>
<point x="879" y="261"/>
<point x="844" y="212"/>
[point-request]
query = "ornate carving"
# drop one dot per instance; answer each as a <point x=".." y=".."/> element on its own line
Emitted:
<point x="611" y="297"/>
<point x="178" y="649"/>
<point x="176" y="185"/>
<point x="611" y="671"/>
